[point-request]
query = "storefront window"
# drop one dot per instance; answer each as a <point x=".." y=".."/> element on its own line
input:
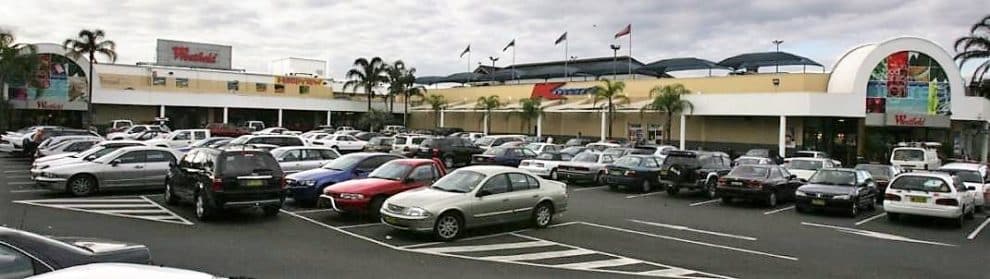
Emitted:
<point x="181" y="82"/>
<point x="158" y="81"/>
<point x="303" y="89"/>
<point x="233" y="85"/>
<point x="279" y="88"/>
<point x="260" y="87"/>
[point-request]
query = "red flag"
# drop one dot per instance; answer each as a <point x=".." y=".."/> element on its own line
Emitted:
<point x="624" y="31"/>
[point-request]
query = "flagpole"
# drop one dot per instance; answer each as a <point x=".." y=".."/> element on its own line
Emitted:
<point x="566" y="41"/>
<point x="514" y="61"/>
<point x="630" y="53"/>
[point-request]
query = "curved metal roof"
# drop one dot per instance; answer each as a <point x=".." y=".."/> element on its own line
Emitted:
<point x="429" y="80"/>
<point x="552" y="71"/>
<point x="504" y="74"/>
<point x="464" y="77"/>
<point x="761" y="59"/>
<point x="662" y="66"/>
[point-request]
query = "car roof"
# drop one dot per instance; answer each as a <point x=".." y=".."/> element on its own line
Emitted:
<point x="301" y="147"/>
<point x="841" y="169"/>
<point x="104" y="143"/>
<point x="962" y="166"/>
<point x="942" y="175"/>
<point x="412" y="161"/>
<point x="490" y="170"/>
<point x="808" y="159"/>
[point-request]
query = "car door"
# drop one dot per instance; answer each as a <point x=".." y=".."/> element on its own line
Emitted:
<point x="353" y="143"/>
<point x="311" y="159"/>
<point x="523" y="195"/>
<point x="492" y="202"/>
<point x="180" y="139"/>
<point x="776" y="180"/>
<point x="422" y="175"/>
<point x="156" y="165"/>
<point x="178" y="176"/>
<point x="125" y="171"/>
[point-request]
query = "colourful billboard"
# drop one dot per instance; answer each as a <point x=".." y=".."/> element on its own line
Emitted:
<point x="908" y="82"/>
<point x="58" y="84"/>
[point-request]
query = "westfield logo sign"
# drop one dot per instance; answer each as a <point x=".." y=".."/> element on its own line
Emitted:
<point x="905" y="120"/>
<point x="182" y="53"/>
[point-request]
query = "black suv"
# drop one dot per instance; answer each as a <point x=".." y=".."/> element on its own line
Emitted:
<point x="693" y="170"/>
<point x="219" y="179"/>
<point x="453" y="151"/>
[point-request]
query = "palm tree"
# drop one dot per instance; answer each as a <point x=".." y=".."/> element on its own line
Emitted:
<point x="488" y="104"/>
<point x="396" y="73"/>
<point x="530" y="109"/>
<point x="976" y="46"/>
<point x="17" y="62"/>
<point x="612" y="92"/>
<point x="437" y="103"/>
<point x="90" y="43"/>
<point x="366" y="74"/>
<point x="668" y="100"/>
<point x="402" y="82"/>
<point x="374" y="119"/>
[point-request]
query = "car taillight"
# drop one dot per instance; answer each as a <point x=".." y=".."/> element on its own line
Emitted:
<point x="721" y="181"/>
<point x="892" y="197"/>
<point x="754" y="184"/>
<point x="948" y="202"/>
<point x="217" y="185"/>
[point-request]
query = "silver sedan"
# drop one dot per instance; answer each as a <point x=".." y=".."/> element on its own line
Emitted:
<point x="476" y="196"/>
<point x="136" y="167"/>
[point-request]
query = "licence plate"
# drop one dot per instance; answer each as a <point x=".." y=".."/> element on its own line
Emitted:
<point x="736" y="183"/>
<point x="388" y="219"/>
<point x="254" y="183"/>
<point x="818" y="202"/>
<point x="919" y="199"/>
<point x="663" y="172"/>
<point x="617" y="173"/>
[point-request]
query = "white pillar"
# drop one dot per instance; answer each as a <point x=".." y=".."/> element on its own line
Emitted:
<point x="782" y="137"/>
<point x="329" y="113"/>
<point x="485" y="124"/>
<point x="226" y="114"/>
<point x="683" y="134"/>
<point x="604" y="123"/>
<point x="442" y="115"/>
<point x="280" y="117"/>
<point x="161" y="111"/>
<point x="539" y="125"/>
<point x="986" y="143"/>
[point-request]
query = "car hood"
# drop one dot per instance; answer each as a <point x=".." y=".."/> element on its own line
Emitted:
<point x="320" y="174"/>
<point x="124" y="270"/>
<point x="424" y="198"/>
<point x="54" y="157"/>
<point x="71" y="166"/>
<point x="99" y="246"/>
<point x="60" y="162"/>
<point x="583" y="164"/>
<point x="362" y="186"/>
<point x="802" y="174"/>
<point x="827" y="189"/>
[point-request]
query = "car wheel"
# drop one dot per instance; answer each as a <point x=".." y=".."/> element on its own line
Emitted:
<point x="854" y="209"/>
<point x="272" y="211"/>
<point x="448" y="227"/>
<point x="647" y="186"/>
<point x="710" y="189"/>
<point x="958" y="221"/>
<point x="772" y="199"/>
<point x="82" y="185"/>
<point x="613" y="187"/>
<point x="871" y="206"/>
<point x="800" y="209"/>
<point x="542" y="215"/>
<point x="448" y="161"/>
<point x="170" y="197"/>
<point x="893" y="216"/>
<point x="375" y="207"/>
<point x="600" y="178"/>
<point x="553" y="174"/>
<point x="970" y="215"/>
<point x="203" y="210"/>
<point x="672" y="190"/>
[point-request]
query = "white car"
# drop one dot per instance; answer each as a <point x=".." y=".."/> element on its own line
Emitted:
<point x="923" y="157"/>
<point x="341" y="143"/>
<point x="14" y="141"/>
<point x="663" y="150"/>
<point x="271" y="131"/>
<point x="934" y="194"/>
<point x="493" y="141"/>
<point x="472" y="136"/>
<point x="545" y="164"/>
<point x="134" y="131"/>
<point x="804" y="168"/>
<point x="90" y="154"/>
<point x="345" y="128"/>
<point x="407" y="145"/>
<point x="312" y="136"/>
<point x="972" y="175"/>
<point x="180" y="138"/>
<point x="752" y="160"/>
<point x="123" y="271"/>
<point x="601" y="146"/>
<point x="543" y="147"/>
<point x="69" y="146"/>
<point x="294" y="159"/>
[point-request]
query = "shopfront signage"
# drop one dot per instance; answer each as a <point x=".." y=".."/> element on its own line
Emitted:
<point x="907" y="120"/>
<point x="298" y="80"/>
<point x="189" y="54"/>
<point x="557" y="90"/>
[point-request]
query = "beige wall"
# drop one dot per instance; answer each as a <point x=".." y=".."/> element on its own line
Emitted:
<point x="138" y="114"/>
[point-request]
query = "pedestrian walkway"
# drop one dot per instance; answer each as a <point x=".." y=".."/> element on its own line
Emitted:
<point x="136" y="207"/>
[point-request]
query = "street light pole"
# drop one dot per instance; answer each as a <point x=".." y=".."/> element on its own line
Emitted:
<point x="777" y="43"/>
<point x="615" y="56"/>
<point x="493" y="59"/>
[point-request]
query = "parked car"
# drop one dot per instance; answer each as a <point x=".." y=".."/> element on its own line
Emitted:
<point x="585" y="167"/>
<point x="766" y="153"/>
<point x="94" y="152"/>
<point x="29" y="146"/>
<point x="934" y="194"/>
<point x="693" y="170"/>
<point x="543" y="147"/>
<point x="366" y="195"/>
<point x="271" y="131"/>
<point x="119" y="125"/>
<point x="452" y="151"/>
<point x="133" y="131"/>
<point x="601" y="146"/>
<point x="116" y="270"/>
<point x="920" y="156"/>
<point x="16" y="141"/>
<point x="345" y="128"/>
<point x="882" y="174"/>
<point x="215" y="180"/>
<point x="408" y="145"/>
<point x="52" y="141"/>
<point x="662" y="150"/>
<point x="69" y="146"/>
<point x="514" y="144"/>
<point x="343" y="143"/>
<point x="476" y="196"/>
<point x="213" y="142"/>
<point x="379" y="144"/>
<point x="846" y="190"/>
<point x="811" y="154"/>
<point x="272" y="141"/>
<point x="471" y="136"/>
<point x="752" y="160"/>
<point x="495" y="141"/>
<point x="618" y="152"/>
<point x="574" y="150"/>
<point x="306" y="187"/>
<point x="253" y="125"/>
<point x="365" y="136"/>
<point x="972" y="175"/>
<point x="181" y="138"/>
<point x="639" y="172"/>
<point x="293" y="159"/>
<point x="804" y="168"/>
<point x="578" y="142"/>
<point x="545" y="164"/>
<point x="227" y="130"/>
<point x="503" y="156"/>
<point x="149" y="135"/>
<point x="135" y="167"/>
<point x="393" y="129"/>
<point x="768" y="184"/>
<point x="24" y="254"/>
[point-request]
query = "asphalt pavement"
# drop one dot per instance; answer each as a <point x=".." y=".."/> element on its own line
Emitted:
<point x="604" y="234"/>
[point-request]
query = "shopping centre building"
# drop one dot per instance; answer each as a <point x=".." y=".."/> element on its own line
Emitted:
<point x="876" y="95"/>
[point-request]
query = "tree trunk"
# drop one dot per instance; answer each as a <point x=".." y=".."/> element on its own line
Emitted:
<point x="610" y="118"/>
<point x="667" y="128"/>
<point x="368" y="90"/>
<point x="391" y="104"/>
<point x="405" y="111"/>
<point x="89" y="101"/>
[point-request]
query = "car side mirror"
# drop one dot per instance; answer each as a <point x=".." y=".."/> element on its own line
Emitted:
<point x="793" y="176"/>
<point x="115" y="162"/>
<point x="483" y="193"/>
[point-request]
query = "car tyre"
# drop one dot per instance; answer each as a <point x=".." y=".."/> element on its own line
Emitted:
<point x="170" y="197"/>
<point x="204" y="211"/>
<point x="893" y="216"/>
<point x="958" y="221"/>
<point x="647" y="186"/>
<point x="771" y="199"/>
<point x="672" y="190"/>
<point x="448" y="161"/>
<point x="970" y="215"/>
<point x="375" y="207"/>
<point x="800" y="209"/>
<point x="542" y="215"/>
<point x="710" y="189"/>
<point x="600" y="178"/>
<point x="853" y="209"/>
<point x="82" y="185"/>
<point x="448" y="227"/>
<point x="271" y="211"/>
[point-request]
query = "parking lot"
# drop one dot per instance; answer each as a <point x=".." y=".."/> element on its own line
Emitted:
<point x="603" y="234"/>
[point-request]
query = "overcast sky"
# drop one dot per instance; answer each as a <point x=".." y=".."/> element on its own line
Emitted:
<point x="429" y="34"/>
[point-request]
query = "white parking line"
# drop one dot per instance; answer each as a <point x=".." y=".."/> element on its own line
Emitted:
<point x="704" y="202"/>
<point x="871" y="218"/>
<point x="488" y="247"/>
<point x="683" y="228"/>
<point x="30" y="191"/>
<point x="978" y="229"/>
<point x="18" y="176"/>
<point x="692" y="241"/>
<point x="361" y="225"/>
<point x="313" y="211"/>
<point x="20" y="182"/>
<point x="874" y="234"/>
<point x="15" y="171"/>
<point x="540" y="255"/>
<point x="588" y="188"/>
<point x="778" y="210"/>
<point x="643" y="195"/>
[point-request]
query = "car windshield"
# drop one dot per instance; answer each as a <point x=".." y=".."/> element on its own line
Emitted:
<point x="909" y="155"/>
<point x="970" y="176"/>
<point x="879" y="172"/>
<point x="805" y="165"/>
<point x="460" y="181"/>
<point x="749" y="161"/>
<point x="758" y="153"/>
<point x="533" y="146"/>
<point x="486" y="141"/>
<point x="586" y="157"/>
<point x="392" y="171"/>
<point x="417" y="140"/>
<point x="629" y="161"/>
<point x="679" y="160"/>
<point x="749" y="171"/>
<point x="545" y="156"/>
<point x="834" y="177"/>
<point x="572" y="149"/>
<point x="240" y="140"/>
<point x="219" y="143"/>
<point x="496" y="151"/>
<point x="247" y="163"/>
<point x="343" y="162"/>
<point x="100" y="153"/>
<point x="920" y="183"/>
<point x="615" y="152"/>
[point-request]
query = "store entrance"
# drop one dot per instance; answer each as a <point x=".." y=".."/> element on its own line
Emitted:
<point x="881" y="140"/>
<point x="20" y="118"/>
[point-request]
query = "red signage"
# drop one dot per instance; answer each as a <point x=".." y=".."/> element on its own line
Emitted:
<point x="906" y="120"/>
<point x="298" y="80"/>
<point x="50" y="105"/>
<point x="182" y="53"/>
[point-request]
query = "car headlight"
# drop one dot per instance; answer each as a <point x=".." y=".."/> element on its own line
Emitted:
<point x="307" y="183"/>
<point x="800" y="194"/>
<point x="841" y="197"/>
<point x="416" y="212"/>
<point x="349" y="196"/>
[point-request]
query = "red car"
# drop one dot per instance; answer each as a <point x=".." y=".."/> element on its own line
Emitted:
<point x="366" y="195"/>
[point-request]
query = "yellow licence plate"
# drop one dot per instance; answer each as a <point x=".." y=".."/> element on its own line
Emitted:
<point x="254" y="183"/>
<point x="818" y="202"/>
<point x="388" y="219"/>
<point x="919" y="199"/>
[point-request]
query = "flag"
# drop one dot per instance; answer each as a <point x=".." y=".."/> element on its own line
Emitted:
<point x="624" y="31"/>
<point x="563" y="37"/>
<point x="511" y="44"/>
<point x="466" y="50"/>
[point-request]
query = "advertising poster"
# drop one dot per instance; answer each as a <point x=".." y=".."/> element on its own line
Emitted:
<point x="58" y="84"/>
<point x="897" y="75"/>
<point x="910" y="83"/>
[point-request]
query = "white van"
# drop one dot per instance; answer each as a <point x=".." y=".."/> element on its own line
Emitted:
<point x="916" y="156"/>
<point x="180" y="138"/>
